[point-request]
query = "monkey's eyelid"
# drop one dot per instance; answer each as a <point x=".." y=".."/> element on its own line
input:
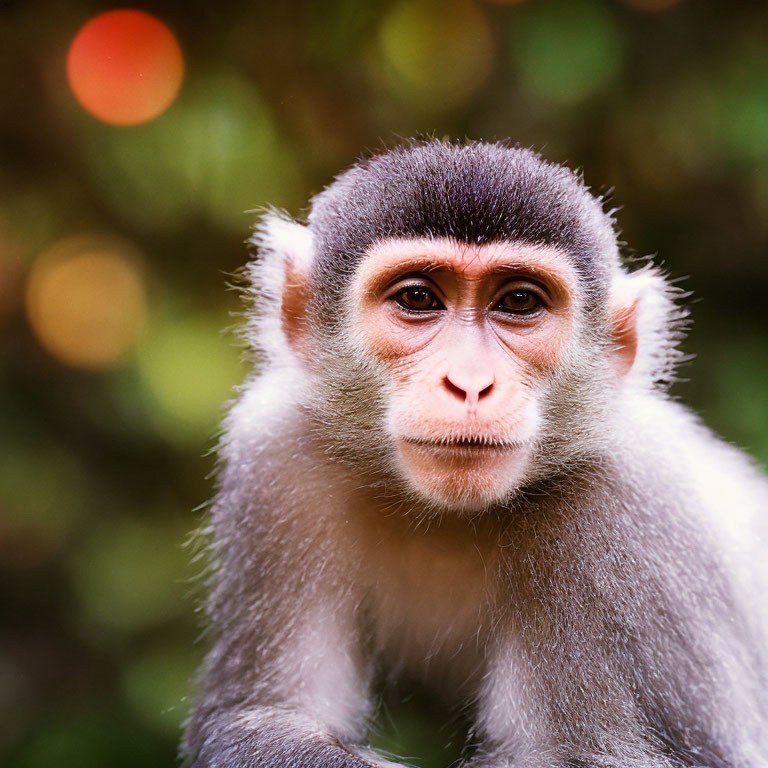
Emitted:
<point x="525" y="282"/>
<point x="401" y="281"/>
<point x="411" y="281"/>
<point x="551" y="286"/>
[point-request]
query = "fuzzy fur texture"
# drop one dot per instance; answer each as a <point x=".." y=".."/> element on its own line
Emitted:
<point x="608" y="614"/>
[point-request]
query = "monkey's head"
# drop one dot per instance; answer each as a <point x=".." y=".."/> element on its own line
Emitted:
<point x="461" y="314"/>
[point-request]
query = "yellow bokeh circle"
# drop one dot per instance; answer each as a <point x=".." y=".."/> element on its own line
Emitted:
<point x="436" y="54"/>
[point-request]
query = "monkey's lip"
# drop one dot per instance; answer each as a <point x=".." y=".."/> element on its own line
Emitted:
<point x="464" y="445"/>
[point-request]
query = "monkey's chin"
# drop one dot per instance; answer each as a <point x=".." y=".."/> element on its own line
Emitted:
<point x="462" y="478"/>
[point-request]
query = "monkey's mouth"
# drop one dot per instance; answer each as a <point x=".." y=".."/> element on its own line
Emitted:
<point x="468" y="445"/>
<point x="463" y="472"/>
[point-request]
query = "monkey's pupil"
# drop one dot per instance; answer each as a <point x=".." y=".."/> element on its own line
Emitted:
<point x="520" y="301"/>
<point x="417" y="298"/>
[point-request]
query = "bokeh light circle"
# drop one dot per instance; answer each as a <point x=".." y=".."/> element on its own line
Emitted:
<point x="125" y="67"/>
<point x="566" y="51"/>
<point x="436" y="54"/>
<point x="86" y="301"/>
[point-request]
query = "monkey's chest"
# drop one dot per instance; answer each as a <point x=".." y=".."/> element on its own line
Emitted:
<point x="429" y="606"/>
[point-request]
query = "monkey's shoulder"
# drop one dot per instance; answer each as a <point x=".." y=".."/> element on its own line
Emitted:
<point x="264" y="427"/>
<point x="670" y="434"/>
<point x="271" y="469"/>
<point x="676" y="462"/>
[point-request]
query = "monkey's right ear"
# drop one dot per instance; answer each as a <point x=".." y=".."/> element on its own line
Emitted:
<point x="279" y="288"/>
<point x="648" y="325"/>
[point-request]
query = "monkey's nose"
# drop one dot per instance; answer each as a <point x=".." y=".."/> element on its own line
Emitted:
<point x="470" y="388"/>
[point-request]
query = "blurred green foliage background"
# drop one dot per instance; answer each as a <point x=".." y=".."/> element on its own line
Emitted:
<point x="116" y="243"/>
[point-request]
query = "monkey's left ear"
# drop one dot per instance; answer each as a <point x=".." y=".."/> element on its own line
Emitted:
<point x="279" y="288"/>
<point x="647" y="325"/>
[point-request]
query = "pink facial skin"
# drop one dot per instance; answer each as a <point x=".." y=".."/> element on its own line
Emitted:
<point x="468" y="332"/>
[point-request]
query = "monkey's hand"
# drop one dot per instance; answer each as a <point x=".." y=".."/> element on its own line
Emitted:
<point x="271" y="738"/>
<point x="500" y="760"/>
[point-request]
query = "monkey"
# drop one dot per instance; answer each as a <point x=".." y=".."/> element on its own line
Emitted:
<point x="459" y="461"/>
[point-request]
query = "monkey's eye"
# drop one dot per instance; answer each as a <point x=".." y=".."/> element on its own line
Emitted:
<point x="519" y="302"/>
<point x="417" y="298"/>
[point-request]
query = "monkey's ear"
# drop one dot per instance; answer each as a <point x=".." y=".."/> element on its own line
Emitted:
<point x="624" y="333"/>
<point x="647" y="326"/>
<point x="279" y="288"/>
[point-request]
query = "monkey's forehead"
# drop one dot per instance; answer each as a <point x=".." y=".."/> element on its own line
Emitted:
<point x="475" y="193"/>
<point x="390" y="258"/>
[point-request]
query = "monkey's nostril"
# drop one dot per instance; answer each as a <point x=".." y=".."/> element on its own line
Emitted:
<point x="467" y="393"/>
<point x="454" y="390"/>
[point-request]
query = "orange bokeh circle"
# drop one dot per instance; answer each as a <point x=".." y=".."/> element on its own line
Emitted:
<point x="125" y="67"/>
<point x="86" y="301"/>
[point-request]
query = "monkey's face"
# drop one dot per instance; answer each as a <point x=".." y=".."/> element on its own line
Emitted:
<point x="468" y="337"/>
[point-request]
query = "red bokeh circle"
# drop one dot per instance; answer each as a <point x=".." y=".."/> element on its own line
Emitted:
<point x="125" y="67"/>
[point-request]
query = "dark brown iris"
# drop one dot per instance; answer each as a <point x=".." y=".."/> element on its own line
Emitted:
<point x="519" y="301"/>
<point x="417" y="298"/>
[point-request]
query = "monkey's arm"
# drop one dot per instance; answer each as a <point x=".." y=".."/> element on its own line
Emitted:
<point x="615" y="610"/>
<point x="284" y="685"/>
<point x="270" y="738"/>
<point x="286" y="682"/>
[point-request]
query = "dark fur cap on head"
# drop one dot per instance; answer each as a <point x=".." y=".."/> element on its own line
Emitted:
<point x="476" y="193"/>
